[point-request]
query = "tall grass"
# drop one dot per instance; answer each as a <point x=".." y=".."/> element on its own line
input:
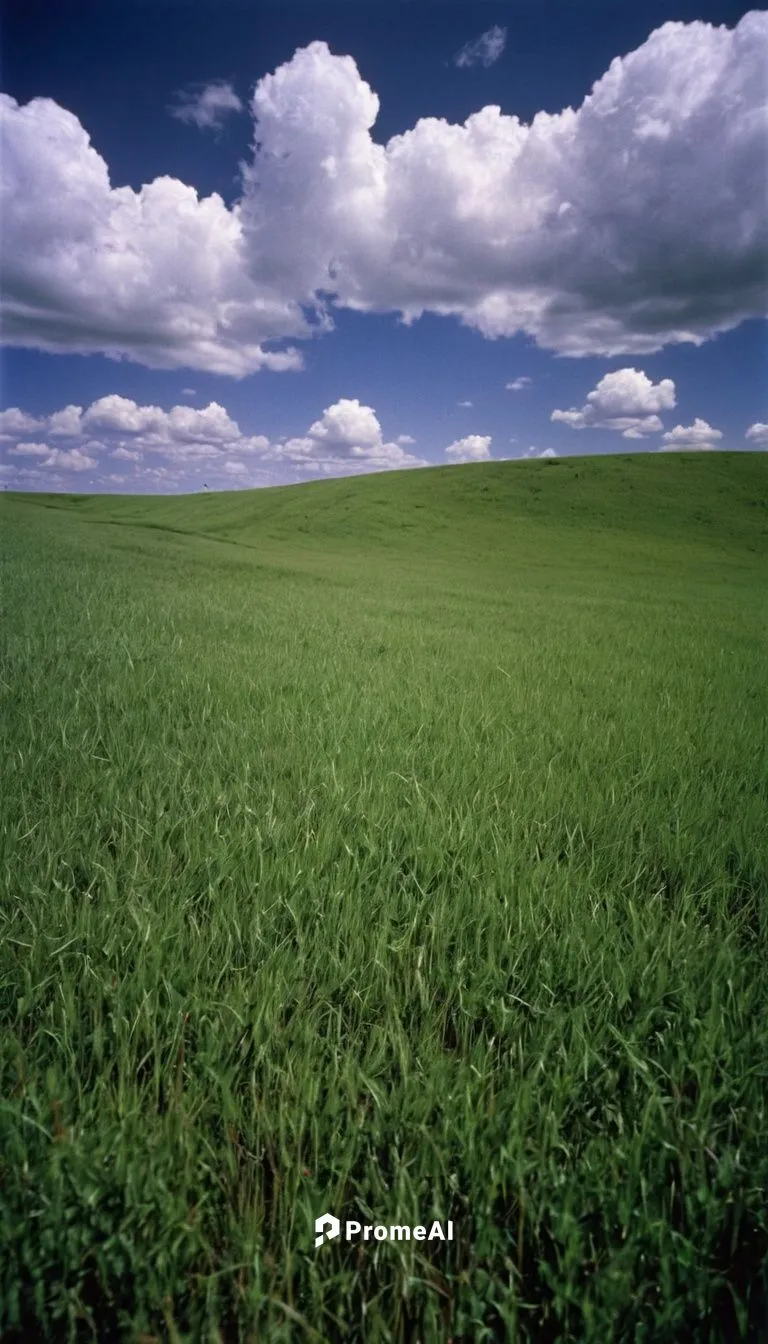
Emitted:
<point x="397" y="848"/>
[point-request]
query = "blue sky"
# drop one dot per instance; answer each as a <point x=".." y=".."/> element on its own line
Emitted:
<point x="254" y="243"/>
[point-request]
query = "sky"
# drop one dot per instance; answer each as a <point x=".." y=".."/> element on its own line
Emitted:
<point x="247" y="243"/>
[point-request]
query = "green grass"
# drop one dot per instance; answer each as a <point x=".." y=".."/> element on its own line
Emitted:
<point x="395" y="847"/>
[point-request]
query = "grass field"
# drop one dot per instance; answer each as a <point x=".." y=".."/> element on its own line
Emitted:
<point x="395" y="847"/>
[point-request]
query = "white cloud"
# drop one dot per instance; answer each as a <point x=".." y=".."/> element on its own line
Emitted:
<point x="626" y="401"/>
<point x="635" y="220"/>
<point x="758" y="433"/>
<point x="66" y="422"/>
<point x="687" y="438"/>
<point x="156" y="275"/>
<point x="182" y="431"/>
<point x="518" y="384"/>
<point x="404" y="439"/>
<point x="348" y="436"/>
<point x="29" y="450"/>
<point x="533" y="451"/>
<point x="484" y="50"/>
<point x="472" y="448"/>
<point x="116" y="413"/>
<point x="579" y="229"/>
<point x="13" y="422"/>
<point x="208" y="107"/>
<point x="464" y="403"/>
<point x="188" y="392"/>
<point x="71" y="459"/>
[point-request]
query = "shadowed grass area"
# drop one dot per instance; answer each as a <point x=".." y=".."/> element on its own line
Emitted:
<point x="395" y="847"/>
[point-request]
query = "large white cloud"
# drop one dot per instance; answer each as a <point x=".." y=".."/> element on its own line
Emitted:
<point x="638" y="219"/>
<point x="625" y="400"/>
<point x="688" y="438"/>
<point x="157" y="275"/>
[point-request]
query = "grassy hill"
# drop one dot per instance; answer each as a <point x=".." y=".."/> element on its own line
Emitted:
<point x="393" y="847"/>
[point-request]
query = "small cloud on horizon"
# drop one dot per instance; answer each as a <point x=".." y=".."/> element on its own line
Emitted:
<point x="472" y="448"/>
<point x="698" y="437"/>
<point x="758" y="433"/>
<point x="533" y="451"/>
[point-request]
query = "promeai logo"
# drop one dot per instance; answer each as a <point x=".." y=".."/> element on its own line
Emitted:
<point x="327" y="1227"/>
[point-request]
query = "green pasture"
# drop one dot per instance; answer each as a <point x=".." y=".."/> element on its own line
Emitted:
<point x="395" y="847"/>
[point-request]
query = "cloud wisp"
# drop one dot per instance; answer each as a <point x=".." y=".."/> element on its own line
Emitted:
<point x="208" y="107"/>
<point x="484" y="50"/>
<point x="636" y="220"/>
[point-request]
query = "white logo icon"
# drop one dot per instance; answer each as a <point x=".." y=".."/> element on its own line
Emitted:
<point x="326" y="1228"/>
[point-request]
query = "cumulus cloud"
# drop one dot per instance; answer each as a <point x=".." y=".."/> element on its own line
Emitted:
<point x="518" y="384"/>
<point x="347" y="438"/>
<point x="626" y="401"/>
<point x="207" y="107"/>
<point x="464" y="404"/>
<point x="484" y="50"/>
<point x="638" y="219"/>
<point x="758" y="433"/>
<point x="180" y="425"/>
<point x="688" y="438"/>
<point x="129" y="432"/>
<point x="156" y="275"/>
<point x="472" y="448"/>
<point x="66" y="422"/>
<point x="13" y="422"/>
<point x="71" y="459"/>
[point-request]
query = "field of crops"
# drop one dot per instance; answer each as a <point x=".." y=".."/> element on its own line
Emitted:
<point x="395" y="847"/>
